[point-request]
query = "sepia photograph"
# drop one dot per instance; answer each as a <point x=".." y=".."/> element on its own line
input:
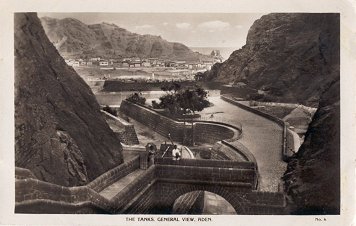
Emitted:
<point x="240" y="117"/>
<point x="177" y="117"/>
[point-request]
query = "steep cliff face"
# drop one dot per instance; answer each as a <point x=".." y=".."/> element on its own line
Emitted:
<point x="60" y="134"/>
<point x="312" y="179"/>
<point x="291" y="57"/>
<point x="73" y="38"/>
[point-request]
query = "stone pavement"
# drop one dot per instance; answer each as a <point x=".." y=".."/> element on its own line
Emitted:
<point x="261" y="136"/>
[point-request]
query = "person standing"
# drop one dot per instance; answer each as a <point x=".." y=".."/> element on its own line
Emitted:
<point x="151" y="154"/>
<point x="176" y="153"/>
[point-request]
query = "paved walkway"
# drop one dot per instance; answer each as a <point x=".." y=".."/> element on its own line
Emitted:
<point x="262" y="137"/>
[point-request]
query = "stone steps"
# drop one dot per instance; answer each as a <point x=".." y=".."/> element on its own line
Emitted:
<point x="112" y="190"/>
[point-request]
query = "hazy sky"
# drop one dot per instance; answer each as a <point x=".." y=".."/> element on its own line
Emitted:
<point x="191" y="29"/>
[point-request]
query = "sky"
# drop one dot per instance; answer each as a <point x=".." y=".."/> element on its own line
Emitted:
<point x="191" y="29"/>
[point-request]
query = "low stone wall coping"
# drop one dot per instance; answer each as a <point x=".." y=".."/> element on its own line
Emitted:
<point x="116" y="119"/>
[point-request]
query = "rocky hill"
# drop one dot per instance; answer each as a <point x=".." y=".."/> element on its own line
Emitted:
<point x="312" y="179"/>
<point x="61" y="135"/>
<point x="295" y="58"/>
<point x="73" y="38"/>
<point x="288" y="57"/>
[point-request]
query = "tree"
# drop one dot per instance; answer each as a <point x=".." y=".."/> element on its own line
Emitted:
<point x="192" y="101"/>
<point x="200" y="76"/>
<point x="180" y="102"/>
<point x="171" y="87"/>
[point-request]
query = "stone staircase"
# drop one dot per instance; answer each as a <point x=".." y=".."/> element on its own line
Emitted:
<point x="112" y="190"/>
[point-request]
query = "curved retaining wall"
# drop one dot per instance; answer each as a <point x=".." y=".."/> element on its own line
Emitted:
<point x="211" y="133"/>
<point x="267" y="116"/>
<point x="204" y="131"/>
<point x="243" y="151"/>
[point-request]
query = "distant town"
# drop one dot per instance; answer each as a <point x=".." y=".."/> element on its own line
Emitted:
<point x="181" y="68"/>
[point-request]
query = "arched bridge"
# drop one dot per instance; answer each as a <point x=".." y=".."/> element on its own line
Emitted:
<point x="234" y="181"/>
<point x="152" y="190"/>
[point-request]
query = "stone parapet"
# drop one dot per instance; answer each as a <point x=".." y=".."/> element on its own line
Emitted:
<point x="204" y="131"/>
<point x="114" y="174"/>
<point x="153" y="191"/>
<point x="124" y="130"/>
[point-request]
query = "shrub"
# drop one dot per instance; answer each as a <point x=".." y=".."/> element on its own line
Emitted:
<point x="137" y="98"/>
<point x="156" y="105"/>
<point x="255" y="96"/>
<point x="110" y="110"/>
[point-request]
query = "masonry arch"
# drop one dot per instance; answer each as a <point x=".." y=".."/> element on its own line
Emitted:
<point x="176" y="190"/>
<point x="202" y="202"/>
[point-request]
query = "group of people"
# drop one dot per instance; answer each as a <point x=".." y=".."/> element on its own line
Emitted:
<point x="151" y="148"/>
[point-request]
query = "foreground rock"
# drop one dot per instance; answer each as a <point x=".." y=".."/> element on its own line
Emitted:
<point x="288" y="57"/>
<point x="312" y="179"/>
<point x="60" y="134"/>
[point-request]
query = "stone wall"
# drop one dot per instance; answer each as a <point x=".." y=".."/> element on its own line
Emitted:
<point x="154" y="191"/>
<point x="114" y="174"/>
<point x="117" y="86"/>
<point x="205" y="132"/>
<point x="205" y="163"/>
<point x="144" y="202"/>
<point x="31" y="191"/>
<point x="190" y="203"/>
<point x="54" y="207"/>
<point x="242" y="150"/>
<point x="289" y="105"/>
<point x="241" y="198"/>
<point x="125" y="131"/>
<point x="135" y="193"/>
<point x="216" y="176"/>
<point x="211" y="133"/>
<point x="158" y="123"/>
<point x="198" y="205"/>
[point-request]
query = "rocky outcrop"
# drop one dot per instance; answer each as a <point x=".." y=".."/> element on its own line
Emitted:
<point x="73" y="38"/>
<point x="289" y="57"/>
<point x="312" y="179"/>
<point x="61" y="135"/>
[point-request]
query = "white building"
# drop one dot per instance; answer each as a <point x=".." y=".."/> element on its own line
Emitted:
<point x="103" y="63"/>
